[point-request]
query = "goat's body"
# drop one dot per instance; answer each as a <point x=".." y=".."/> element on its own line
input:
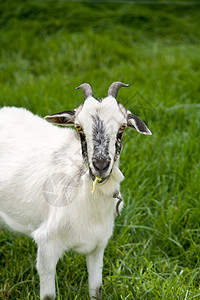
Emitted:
<point x="46" y="177"/>
<point x="37" y="162"/>
<point x="43" y="151"/>
<point x="27" y="145"/>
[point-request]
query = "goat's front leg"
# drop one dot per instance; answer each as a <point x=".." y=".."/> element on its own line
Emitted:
<point x="95" y="267"/>
<point x="47" y="257"/>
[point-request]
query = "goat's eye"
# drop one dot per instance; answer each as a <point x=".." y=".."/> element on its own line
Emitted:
<point x="78" y="127"/>
<point x="123" y="127"/>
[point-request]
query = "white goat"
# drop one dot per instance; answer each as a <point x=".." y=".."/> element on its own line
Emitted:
<point x="46" y="176"/>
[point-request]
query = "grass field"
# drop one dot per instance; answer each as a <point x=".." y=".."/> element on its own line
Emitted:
<point x="50" y="47"/>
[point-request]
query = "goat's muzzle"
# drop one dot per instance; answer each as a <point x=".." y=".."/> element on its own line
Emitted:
<point x="103" y="178"/>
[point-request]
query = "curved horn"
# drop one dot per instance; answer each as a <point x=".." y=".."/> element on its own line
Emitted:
<point x="114" y="88"/>
<point x="87" y="90"/>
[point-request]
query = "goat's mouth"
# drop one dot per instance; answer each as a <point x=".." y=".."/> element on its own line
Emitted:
<point x="101" y="179"/>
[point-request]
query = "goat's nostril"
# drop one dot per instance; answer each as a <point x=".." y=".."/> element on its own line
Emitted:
<point x="101" y="165"/>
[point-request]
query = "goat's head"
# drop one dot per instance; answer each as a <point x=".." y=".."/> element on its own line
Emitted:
<point x="100" y="124"/>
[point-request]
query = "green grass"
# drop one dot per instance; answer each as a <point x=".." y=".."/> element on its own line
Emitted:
<point x="50" y="47"/>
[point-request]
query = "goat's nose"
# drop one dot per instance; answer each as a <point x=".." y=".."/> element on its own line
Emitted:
<point x="101" y="164"/>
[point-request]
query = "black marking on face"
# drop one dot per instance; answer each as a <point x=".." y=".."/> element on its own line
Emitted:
<point x="118" y="144"/>
<point x="83" y="145"/>
<point x="100" y="139"/>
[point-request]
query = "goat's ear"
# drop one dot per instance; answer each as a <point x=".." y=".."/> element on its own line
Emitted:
<point x="64" y="118"/>
<point x="137" y="124"/>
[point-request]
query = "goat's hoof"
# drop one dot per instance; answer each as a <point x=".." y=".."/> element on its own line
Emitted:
<point x="99" y="292"/>
<point x="48" y="298"/>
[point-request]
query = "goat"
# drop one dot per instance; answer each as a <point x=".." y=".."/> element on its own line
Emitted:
<point x="47" y="173"/>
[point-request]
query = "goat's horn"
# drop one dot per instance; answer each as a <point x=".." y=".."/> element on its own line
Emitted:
<point x="114" y="88"/>
<point x="87" y="90"/>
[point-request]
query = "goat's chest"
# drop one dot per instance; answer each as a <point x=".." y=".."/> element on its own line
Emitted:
<point x="89" y="228"/>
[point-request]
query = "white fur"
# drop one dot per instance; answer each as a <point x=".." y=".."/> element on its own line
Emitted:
<point x="45" y="183"/>
<point x="31" y="154"/>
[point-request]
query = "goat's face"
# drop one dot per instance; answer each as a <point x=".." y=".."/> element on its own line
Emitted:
<point x="100" y="124"/>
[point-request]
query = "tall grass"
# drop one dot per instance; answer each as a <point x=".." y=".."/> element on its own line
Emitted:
<point x="50" y="47"/>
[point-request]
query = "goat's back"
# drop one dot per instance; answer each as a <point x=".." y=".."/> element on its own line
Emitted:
<point x="30" y="150"/>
